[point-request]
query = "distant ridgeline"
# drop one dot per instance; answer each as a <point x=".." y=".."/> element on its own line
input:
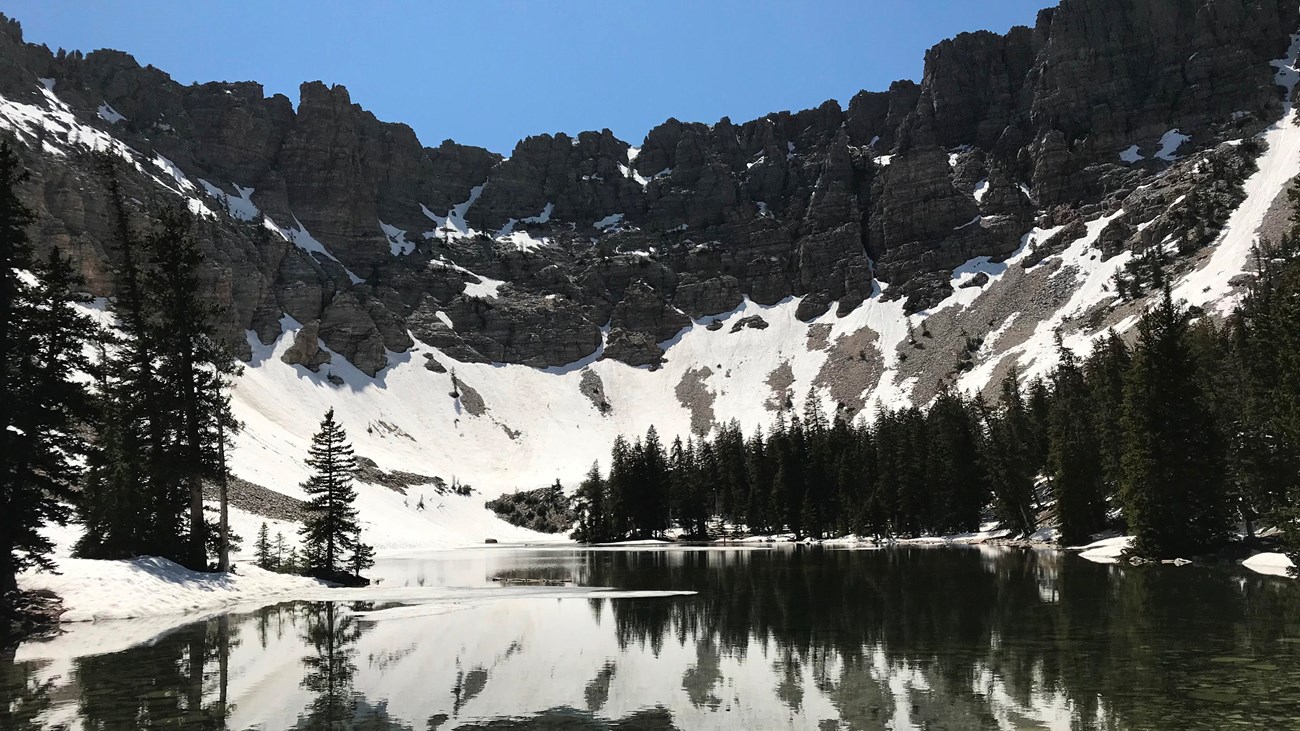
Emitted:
<point x="1176" y="438"/>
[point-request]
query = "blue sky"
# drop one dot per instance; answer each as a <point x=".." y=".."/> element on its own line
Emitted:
<point x="489" y="72"/>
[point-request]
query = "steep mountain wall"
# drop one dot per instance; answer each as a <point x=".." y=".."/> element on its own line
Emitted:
<point x="583" y="287"/>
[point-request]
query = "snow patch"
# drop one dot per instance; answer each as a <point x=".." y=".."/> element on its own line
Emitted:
<point x="1277" y="166"/>
<point x="109" y="114"/>
<point x="611" y="221"/>
<point x="1131" y="155"/>
<point x="240" y="206"/>
<point x="398" y="244"/>
<point x="1107" y="550"/>
<point x="1273" y="564"/>
<point x="632" y="174"/>
<point x="486" y="288"/>
<point x="1169" y="144"/>
<point x="453" y="226"/>
<point x="142" y="587"/>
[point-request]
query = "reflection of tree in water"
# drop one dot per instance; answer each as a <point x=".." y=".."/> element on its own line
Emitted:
<point x="973" y="636"/>
<point x="597" y="691"/>
<point x="179" y="680"/>
<point x="468" y="685"/>
<point x="701" y="680"/>
<point x="23" y="696"/>
<point x="332" y="631"/>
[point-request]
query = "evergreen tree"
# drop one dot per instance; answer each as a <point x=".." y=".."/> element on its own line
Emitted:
<point x="1075" y="457"/>
<point x="331" y="523"/>
<point x="41" y="354"/>
<point x="128" y="506"/>
<point x="1007" y="463"/>
<point x="652" y="516"/>
<point x="592" y="507"/>
<point x="292" y="563"/>
<point x="263" y="555"/>
<point x="193" y="367"/>
<point x="958" y="487"/>
<point x="1267" y="341"/>
<point x="1172" y="486"/>
<point x="1104" y="372"/>
<point x="279" y="555"/>
<point x="758" y="474"/>
<point x="163" y="397"/>
<point x="621" y="489"/>
<point x="362" y="558"/>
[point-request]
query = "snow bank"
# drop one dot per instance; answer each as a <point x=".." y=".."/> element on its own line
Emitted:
<point x="1273" y="564"/>
<point x="142" y="587"/>
<point x="1107" y="550"/>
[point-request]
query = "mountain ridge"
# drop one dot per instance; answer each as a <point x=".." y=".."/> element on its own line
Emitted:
<point x="940" y="230"/>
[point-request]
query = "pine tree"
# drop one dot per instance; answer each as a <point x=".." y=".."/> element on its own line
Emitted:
<point x="263" y="556"/>
<point x="331" y="522"/>
<point x="1172" y="486"/>
<point x="292" y="564"/>
<point x="1104" y="372"/>
<point x="1075" y="457"/>
<point x="652" y="517"/>
<point x="957" y="482"/>
<point x="621" y="489"/>
<point x="592" y="505"/>
<point x="688" y="491"/>
<point x="362" y="558"/>
<point x="129" y="507"/>
<point x="42" y="340"/>
<point x="1005" y="460"/>
<point x="279" y="550"/>
<point x="193" y="368"/>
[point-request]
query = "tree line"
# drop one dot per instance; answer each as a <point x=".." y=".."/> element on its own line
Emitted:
<point x="121" y="423"/>
<point x="1176" y="436"/>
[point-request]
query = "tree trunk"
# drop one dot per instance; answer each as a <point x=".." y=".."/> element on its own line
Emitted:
<point x="223" y="560"/>
<point x="198" y="526"/>
<point x="8" y="574"/>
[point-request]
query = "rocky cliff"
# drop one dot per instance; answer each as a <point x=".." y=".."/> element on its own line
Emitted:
<point x="589" y="247"/>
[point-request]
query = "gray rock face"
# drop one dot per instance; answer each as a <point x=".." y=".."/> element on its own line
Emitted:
<point x="799" y="204"/>
<point x="306" y="350"/>
<point x="594" y="389"/>
<point x="754" y="322"/>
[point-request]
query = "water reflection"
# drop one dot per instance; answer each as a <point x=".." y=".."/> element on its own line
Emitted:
<point x="797" y="638"/>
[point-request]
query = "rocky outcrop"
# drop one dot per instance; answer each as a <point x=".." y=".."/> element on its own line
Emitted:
<point x="305" y="350"/>
<point x="375" y="238"/>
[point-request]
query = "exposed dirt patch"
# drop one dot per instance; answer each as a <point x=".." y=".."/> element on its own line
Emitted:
<point x="693" y="393"/>
<point x="957" y="337"/>
<point x="258" y="500"/>
<point x="397" y="480"/>
<point x="819" y="336"/>
<point x="780" y="380"/>
<point x="853" y="367"/>
<point x="1276" y="220"/>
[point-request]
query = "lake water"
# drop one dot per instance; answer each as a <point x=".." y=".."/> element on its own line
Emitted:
<point x="774" y="638"/>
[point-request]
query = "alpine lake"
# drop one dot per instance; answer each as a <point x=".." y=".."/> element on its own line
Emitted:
<point x="772" y="637"/>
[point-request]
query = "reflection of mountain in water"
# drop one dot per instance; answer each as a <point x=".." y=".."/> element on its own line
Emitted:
<point x="805" y="638"/>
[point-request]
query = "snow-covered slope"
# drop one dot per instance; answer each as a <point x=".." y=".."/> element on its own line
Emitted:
<point x="537" y="425"/>
<point x="503" y="427"/>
